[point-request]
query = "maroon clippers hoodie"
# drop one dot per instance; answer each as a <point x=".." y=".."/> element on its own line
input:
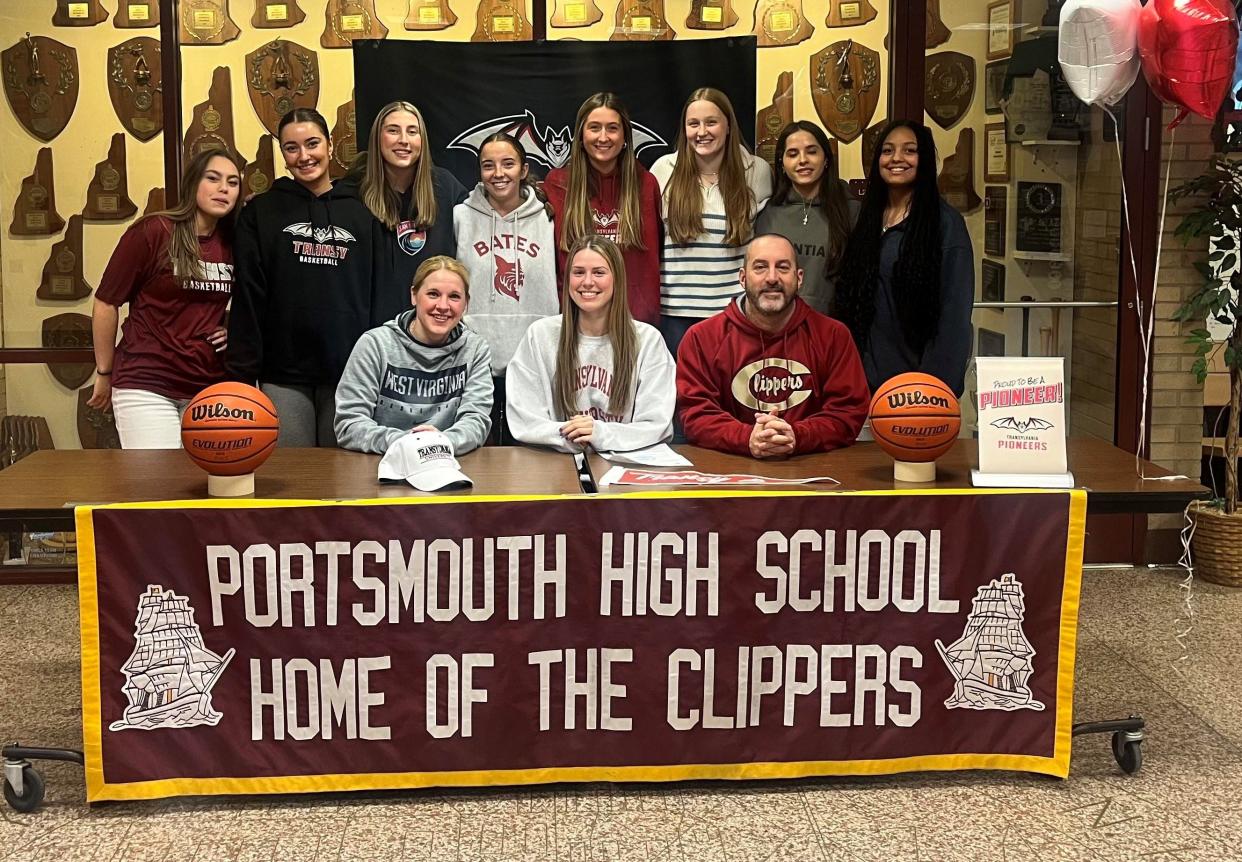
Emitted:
<point x="810" y="373"/>
<point x="642" y="265"/>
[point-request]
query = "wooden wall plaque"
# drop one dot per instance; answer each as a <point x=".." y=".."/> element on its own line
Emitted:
<point x="344" y="140"/>
<point x="107" y="196"/>
<point x="711" y="15"/>
<point x="137" y="13"/>
<point x="429" y="15"/>
<point x="348" y="20"/>
<point x="79" y="13"/>
<point x="870" y="141"/>
<point x="948" y="87"/>
<point x="71" y="331"/>
<point x="272" y="14"/>
<point x="261" y="173"/>
<point x="845" y="87"/>
<point x="501" y="21"/>
<point x="957" y="177"/>
<point x="62" y="274"/>
<point x="641" y="21"/>
<point x="155" y="201"/>
<point x="937" y="32"/>
<point x="213" y="119"/>
<point x="575" y="13"/>
<point x="41" y="83"/>
<point x="773" y="118"/>
<point x="96" y="428"/>
<point x="281" y="76"/>
<point x="136" y="85"/>
<point x="781" y="22"/>
<point x="849" y="13"/>
<point x="206" y="22"/>
<point x="34" y="213"/>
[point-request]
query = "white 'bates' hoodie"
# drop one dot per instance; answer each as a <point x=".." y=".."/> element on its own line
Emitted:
<point x="512" y="264"/>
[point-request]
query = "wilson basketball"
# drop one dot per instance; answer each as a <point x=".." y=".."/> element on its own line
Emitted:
<point x="229" y="429"/>
<point x="915" y="417"/>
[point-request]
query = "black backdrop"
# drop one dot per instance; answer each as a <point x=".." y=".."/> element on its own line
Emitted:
<point x="533" y="90"/>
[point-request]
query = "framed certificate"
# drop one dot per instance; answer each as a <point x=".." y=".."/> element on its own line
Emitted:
<point x="995" y="153"/>
<point x="1000" y="29"/>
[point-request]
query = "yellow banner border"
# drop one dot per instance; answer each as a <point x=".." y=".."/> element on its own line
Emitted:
<point x="98" y="790"/>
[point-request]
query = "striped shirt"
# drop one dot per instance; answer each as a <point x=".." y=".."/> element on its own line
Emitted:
<point x="700" y="278"/>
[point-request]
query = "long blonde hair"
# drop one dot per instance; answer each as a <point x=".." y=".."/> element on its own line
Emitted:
<point x="621" y="333"/>
<point x="379" y="197"/>
<point x="576" y="221"/>
<point x="684" y="196"/>
<point x="183" y="251"/>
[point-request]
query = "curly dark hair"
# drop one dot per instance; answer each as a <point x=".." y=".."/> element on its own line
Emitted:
<point x="916" y="275"/>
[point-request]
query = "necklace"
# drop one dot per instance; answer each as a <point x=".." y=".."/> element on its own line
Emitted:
<point x="806" y="211"/>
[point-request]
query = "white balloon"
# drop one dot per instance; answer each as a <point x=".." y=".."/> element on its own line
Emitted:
<point x="1098" y="48"/>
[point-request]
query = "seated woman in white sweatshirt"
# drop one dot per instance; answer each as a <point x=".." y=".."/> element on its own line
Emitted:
<point x="592" y="375"/>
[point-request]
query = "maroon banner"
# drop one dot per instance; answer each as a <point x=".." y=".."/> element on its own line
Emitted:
<point x="254" y="647"/>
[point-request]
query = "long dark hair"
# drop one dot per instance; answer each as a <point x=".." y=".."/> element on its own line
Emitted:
<point x="831" y="191"/>
<point x="916" y="275"/>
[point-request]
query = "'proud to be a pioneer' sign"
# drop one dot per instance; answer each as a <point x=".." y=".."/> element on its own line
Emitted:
<point x="252" y="647"/>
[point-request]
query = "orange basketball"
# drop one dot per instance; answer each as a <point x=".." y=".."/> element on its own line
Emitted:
<point x="915" y="417"/>
<point x="229" y="429"/>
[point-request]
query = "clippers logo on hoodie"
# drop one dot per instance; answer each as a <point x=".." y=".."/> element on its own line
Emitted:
<point x="772" y="384"/>
<point x="326" y="247"/>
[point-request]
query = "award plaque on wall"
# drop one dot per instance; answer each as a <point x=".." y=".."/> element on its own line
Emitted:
<point x="994" y="86"/>
<point x="993" y="281"/>
<point x="79" y="13"/>
<point x="575" y="13"/>
<point x="430" y="15"/>
<point x="135" y="86"/>
<point x="1000" y="29"/>
<point x="96" y="428"/>
<point x="137" y="13"/>
<point x="957" y="177"/>
<point x="348" y="20"/>
<point x="206" y="22"/>
<point x="273" y="14"/>
<point x="849" y="13"/>
<point x="62" y="274"/>
<point x="995" y="219"/>
<point x="501" y="21"/>
<point x="711" y="15"/>
<point x="212" y="125"/>
<point x="871" y="140"/>
<point x="845" y="87"/>
<point x="1039" y="218"/>
<point x="1028" y="110"/>
<point x="69" y="331"/>
<point x="155" y="201"/>
<point x="344" y="140"/>
<point x="949" y="87"/>
<point x="281" y="76"/>
<point x="34" y="213"/>
<point x="107" y="196"/>
<point x="41" y="83"/>
<point x="259" y="174"/>
<point x="937" y="32"/>
<point x="774" y="117"/>
<point x="641" y="21"/>
<point x="995" y="153"/>
<point x="781" y="22"/>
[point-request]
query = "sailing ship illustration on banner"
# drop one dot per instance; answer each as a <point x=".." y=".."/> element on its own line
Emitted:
<point x="170" y="673"/>
<point x="991" y="661"/>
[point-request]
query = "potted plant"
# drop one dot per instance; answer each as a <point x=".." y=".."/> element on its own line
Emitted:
<point x="1217" y="215"/>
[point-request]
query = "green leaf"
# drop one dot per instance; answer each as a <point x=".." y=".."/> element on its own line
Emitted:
<point x="1200" y="333"/>
<point x="1231" y="357"/>
<point x="1230" y="261"/>
<point x="1200" y="370"/>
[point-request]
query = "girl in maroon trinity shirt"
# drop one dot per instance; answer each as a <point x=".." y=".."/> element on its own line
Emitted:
<point x="175" y="269"/>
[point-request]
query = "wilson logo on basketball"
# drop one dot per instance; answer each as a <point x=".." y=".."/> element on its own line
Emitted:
<point x="217" y="410"/>
<point x="772" y="384"/>
<point x="915" y="399"/>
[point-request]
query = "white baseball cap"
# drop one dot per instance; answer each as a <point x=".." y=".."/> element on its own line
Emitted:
<point x="425" y="460"/>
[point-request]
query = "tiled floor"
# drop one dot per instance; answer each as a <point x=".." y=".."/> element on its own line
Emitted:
<point x="1184" y="805"/>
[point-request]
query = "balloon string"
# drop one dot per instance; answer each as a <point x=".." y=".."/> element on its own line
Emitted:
<point x="1184" y="625"/>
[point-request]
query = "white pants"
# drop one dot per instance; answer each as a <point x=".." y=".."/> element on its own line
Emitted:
<point x="145" y="420"/>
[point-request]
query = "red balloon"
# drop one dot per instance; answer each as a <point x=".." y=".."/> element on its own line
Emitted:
<point x="1189" y="48"/>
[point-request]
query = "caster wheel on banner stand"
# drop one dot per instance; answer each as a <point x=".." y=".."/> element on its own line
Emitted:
<point x="1128" y="750"/>
<point x="23" y="786"/>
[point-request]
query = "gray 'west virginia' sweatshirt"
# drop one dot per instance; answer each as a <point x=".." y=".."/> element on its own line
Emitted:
<point x="393" y="383"/>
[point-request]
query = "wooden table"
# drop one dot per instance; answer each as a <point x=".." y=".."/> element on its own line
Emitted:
<point x="1107" y="473"/>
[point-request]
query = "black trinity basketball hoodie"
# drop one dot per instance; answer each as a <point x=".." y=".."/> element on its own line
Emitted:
<point x="302" y="289"/>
